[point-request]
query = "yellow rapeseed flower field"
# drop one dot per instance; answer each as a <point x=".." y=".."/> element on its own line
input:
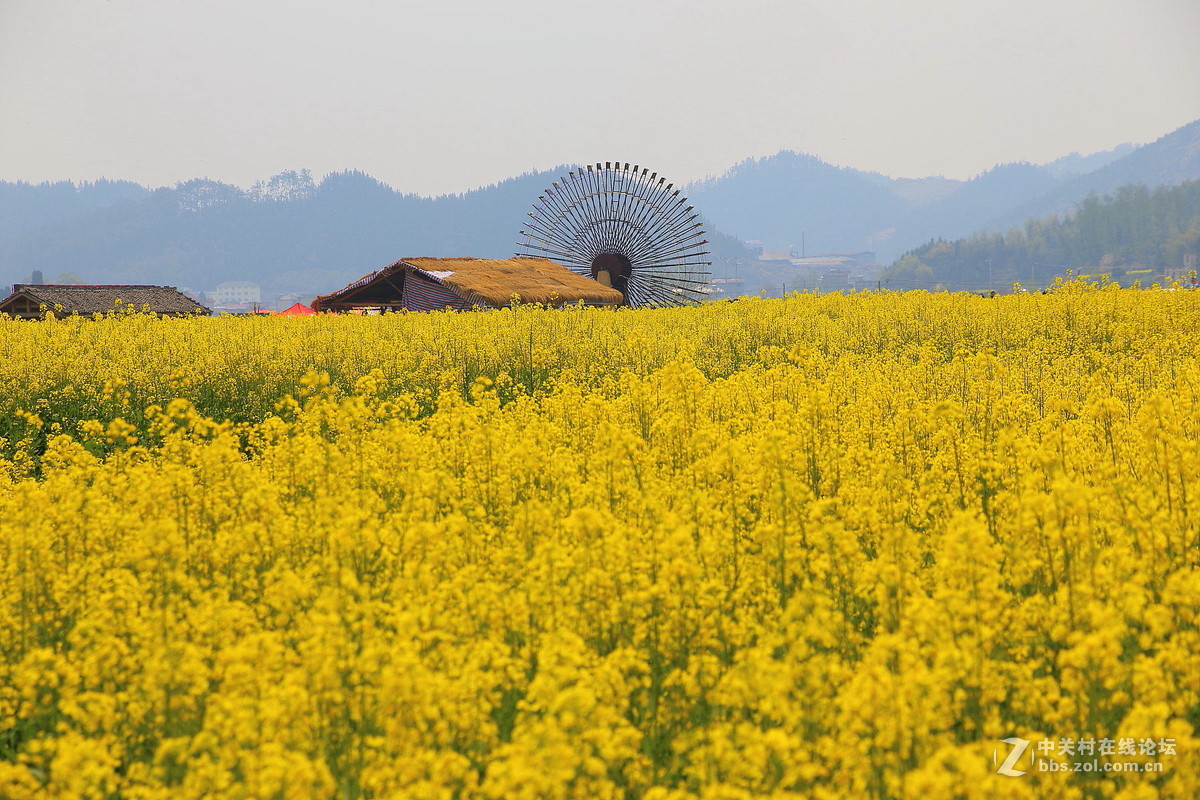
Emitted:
<point x="822" y="547"/>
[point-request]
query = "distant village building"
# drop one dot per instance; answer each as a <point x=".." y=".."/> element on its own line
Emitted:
<point x="836" y="279"/>
<point x="720" y="288"/>
<point x="236" y="293"/>
<point x="781" y="270"/>
<point x="1185" y="275"/>
<point x="820" y="260"/>
<point x="31" y="301"/>
<point x="289" y="299"/>
<point x="848" y="260"/>
<point x="432" y="284"/>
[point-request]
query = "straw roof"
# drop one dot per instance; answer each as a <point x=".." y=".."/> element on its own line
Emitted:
<point x="72" y="298"/>
<point x="534" y="280"/>
<point x="479" y="281"/>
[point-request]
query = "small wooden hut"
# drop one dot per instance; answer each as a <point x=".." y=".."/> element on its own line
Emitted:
<point x="32" y="300"/>
<point x="430" y="284"/>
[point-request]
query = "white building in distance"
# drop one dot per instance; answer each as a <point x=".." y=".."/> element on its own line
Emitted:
<point x="233" y="293"/>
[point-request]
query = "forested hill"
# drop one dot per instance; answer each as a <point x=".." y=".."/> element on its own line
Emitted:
<point x="290" y="233"/>
<point x="1131" y="233"/>
<point x="25" y="207"/>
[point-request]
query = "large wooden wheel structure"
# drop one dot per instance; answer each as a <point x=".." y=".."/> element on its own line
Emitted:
<point x="625" y="227"/>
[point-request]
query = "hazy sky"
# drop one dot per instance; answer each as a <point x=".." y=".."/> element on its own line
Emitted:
<point x="445" y="95"/>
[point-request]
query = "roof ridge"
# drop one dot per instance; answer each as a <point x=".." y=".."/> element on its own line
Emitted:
<point x="491" y="281"/>
<point x="93" y="286"/>
<point x="101" y="298"/>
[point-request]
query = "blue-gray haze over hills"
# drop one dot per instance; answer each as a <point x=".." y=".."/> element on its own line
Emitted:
<point x="789" y="200"/>
<point x="294" y="234"/>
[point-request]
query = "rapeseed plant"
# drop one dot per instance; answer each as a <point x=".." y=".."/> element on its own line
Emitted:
<point x="829" y="546"/>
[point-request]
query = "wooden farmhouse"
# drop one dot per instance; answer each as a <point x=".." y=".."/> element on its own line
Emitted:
<point x="32" y="301"/>
<point x="431" y="284"/>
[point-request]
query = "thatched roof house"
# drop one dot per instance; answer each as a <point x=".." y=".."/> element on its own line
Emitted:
<point x="428" y="284"/>
<point x="31" y="301"/>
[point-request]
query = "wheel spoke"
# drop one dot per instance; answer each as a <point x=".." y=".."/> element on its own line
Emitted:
<point x="629" y="220"/>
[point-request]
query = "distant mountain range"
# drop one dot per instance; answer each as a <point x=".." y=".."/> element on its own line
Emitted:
<point x="290" y="234"/>
<point x="294" y="234"/>
<point x="790" y="198"/>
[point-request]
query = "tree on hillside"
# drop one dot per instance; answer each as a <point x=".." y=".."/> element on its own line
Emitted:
<point x="1133" y="227"/>
<point x="287" y="186"/>
<point x="201" y="193"/>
